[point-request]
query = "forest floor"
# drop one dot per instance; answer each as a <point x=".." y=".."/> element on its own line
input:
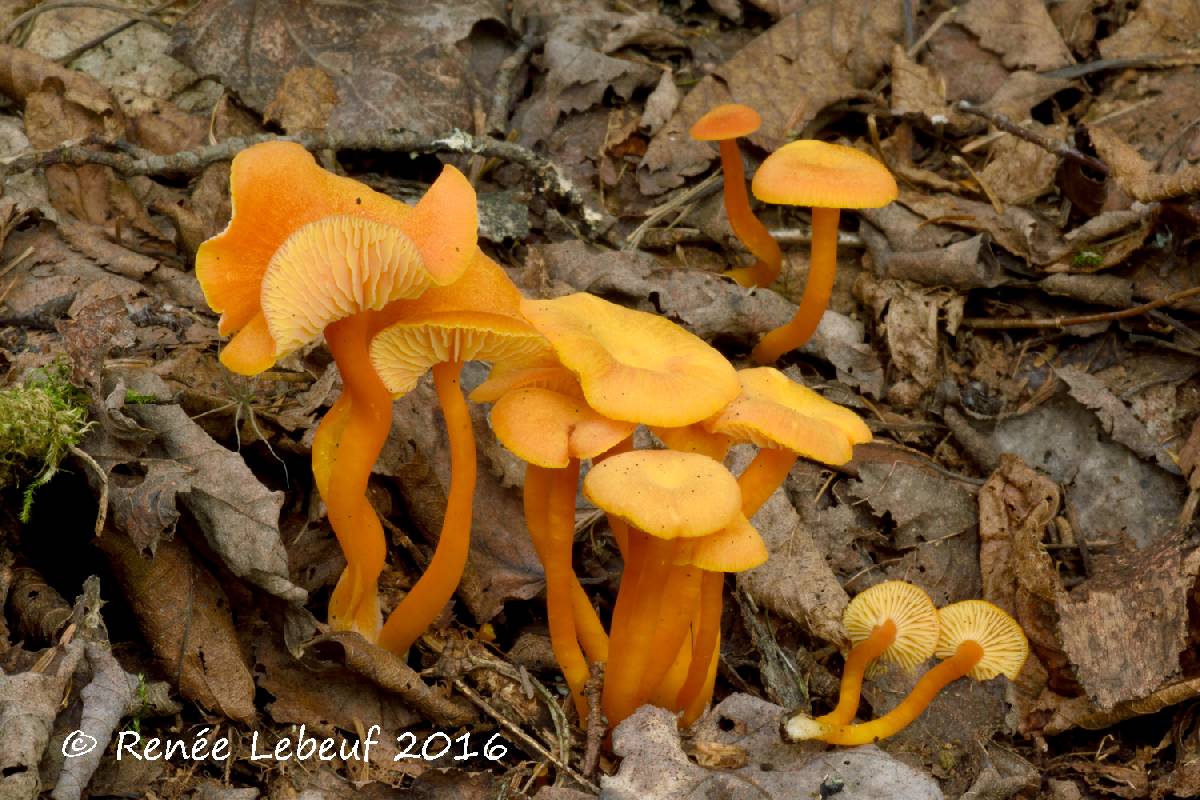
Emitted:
<point x="1020" y="330"/>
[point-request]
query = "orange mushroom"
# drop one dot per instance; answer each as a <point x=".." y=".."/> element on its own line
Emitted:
<point x="785" y="420"/>
<point x="474" y="318"/>
<point x="977" y="640"/>
<point x="665" y="497"/>
<point x="308" y="252"/>
<point x="553" y="432"/>
<point x="893" y="621"/>
<point x="724" y="124"/>
<point x="631" y="365"/>
<point x="827" y="177"/>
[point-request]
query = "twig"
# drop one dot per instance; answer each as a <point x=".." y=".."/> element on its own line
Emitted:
<point x="1086" y="319"/>
<point x="667" y="238"/>
<point x="528" y="741"/>
<point x="67" y="58"/>
<point x="660" y="212"/>
<point x="497" y="118"/>
<point x="102" y="511"/>
<point x="1008" y="126"/>
<point x="550" y="178"/>
<point x="596" y="726"/>
<point x="52" y="5"/>
<point x="1074" y="71"/>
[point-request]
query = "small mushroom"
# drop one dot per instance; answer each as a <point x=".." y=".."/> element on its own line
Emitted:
<point x="976" y="640"/>
<point x="309" y="253"/>
<point x="785" y="420"/>
<point x="665" y="497"/>
<point x="724" y="124"/>
<point x="893" y="621"/>
<point x="827" y="177"/>
<point x="475" y="318"/>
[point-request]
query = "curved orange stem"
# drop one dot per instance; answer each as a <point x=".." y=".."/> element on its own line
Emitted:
<point x="707" y="639"/>
<point x="817" y="290"/>
<point x="695" y="709"/>
<point x="326" y="439"/>
<point x="429" y="595"/>
<point x="965" y="657"/>
<point x="861" y="656"/>
<point x="620" y="530"/>
<point x="560" y="535"/>
<point x="749" y="228"/>
<point x="680" y="601"/>
<point x="354" y="604"/>
<point x="623" y="677"/>
<point x="763" y="476"/>
<point x="588" y="628"/>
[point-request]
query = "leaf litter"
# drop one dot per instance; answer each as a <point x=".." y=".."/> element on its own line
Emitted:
<point x="1017" y="329"/>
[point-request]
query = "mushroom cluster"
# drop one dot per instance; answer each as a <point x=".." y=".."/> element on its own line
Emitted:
<point x="397" y="292"/>
<point x="897" y="622"/>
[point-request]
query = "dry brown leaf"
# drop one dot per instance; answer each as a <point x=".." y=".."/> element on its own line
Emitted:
<point x="1116" y="419"/>
<point x="391" y="673"/>
<point x="184" y="613"/>
<point x="1157" y="27"/>
<point x="796" y="581"/>
<point x="971" y="72"/>
<point x="304" y="100"/>
<point x="1126" y="627"/>
<point x="321" y="695"/>
<point x="395" y="64"/>
<point x="579" y="59"/>
<point x="805" y="62"/>
<point x="1096" y="474"/>
<point x="1135" y="175"/>
<point x="918" y="90"/>
<point x="29" y="703"/>
<point x="1021" y="31"/>
<point x="238" y="516"/>
<point x="655" y="765"/>
<point x="934" y="519"/>
<point x="1018" y="171"/>
<point x="661" y="103"/>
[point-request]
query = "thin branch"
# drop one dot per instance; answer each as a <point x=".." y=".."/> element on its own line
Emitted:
<point x="1008" y="126"/>
<point x="102" y="479"/>
<point x="1086" y="319"/>
<point x="526" y="740"/>
<point x="497" y="118"/>
<point x="51" y="5"/>
<point x="551" y="179"/>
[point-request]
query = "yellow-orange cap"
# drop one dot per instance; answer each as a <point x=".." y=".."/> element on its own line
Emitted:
<point x="277" y="191"/>
<point x="505" y="378"/>
<point x="774" y="411"/>
<point x="909" y="607"/>
<point x="736" y="547"/>
<point x="665" y="493"/>
<point x="727" y="121"/>
<point x="1005" y="647"/>
<point x="474" y="318"/>
<point x="634" y="366"/>
<point x="822" y="175"/>
<point x="548" y="429"/>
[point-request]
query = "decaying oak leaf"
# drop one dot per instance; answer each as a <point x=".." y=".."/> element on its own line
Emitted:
<point x="395" y="65"/>
<point x="796" y="581"/>
<point x="655" y="765"/>
<point x="238" y="516"/>
<point x="183" y="612"/>
<point x="1136" y="176"/>
<point x="934" y="518"/>
<point x="1157" y="27"/>
<point x="1021" y="31"/>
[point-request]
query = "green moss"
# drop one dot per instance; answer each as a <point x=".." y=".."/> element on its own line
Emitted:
<point x="39" y="424"/>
